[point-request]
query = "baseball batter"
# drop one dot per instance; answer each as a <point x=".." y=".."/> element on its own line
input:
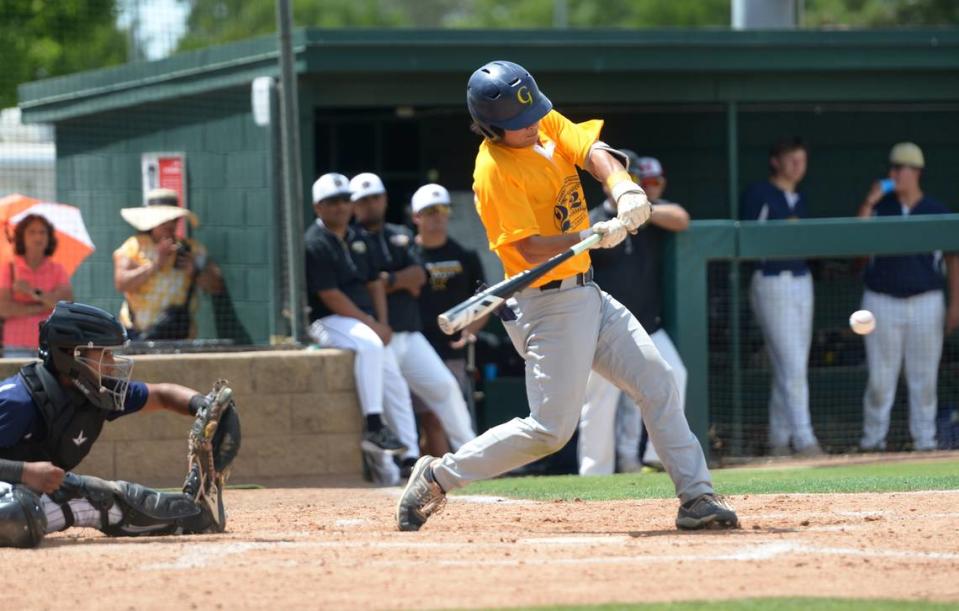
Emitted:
<point x="531" y="202"/>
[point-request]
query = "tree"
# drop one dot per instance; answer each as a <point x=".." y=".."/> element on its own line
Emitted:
<point x="219" y="21"/>
<point x="40" y="39"/>
<point x="880" y="13"/>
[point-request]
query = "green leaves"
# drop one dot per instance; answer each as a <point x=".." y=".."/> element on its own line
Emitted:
<point x="44" y="38"/>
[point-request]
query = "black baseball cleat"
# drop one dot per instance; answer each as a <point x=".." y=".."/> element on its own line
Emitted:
<point x="384" y="440"/>
<point x="421" y="498"/>
<point x="706" y="511"/>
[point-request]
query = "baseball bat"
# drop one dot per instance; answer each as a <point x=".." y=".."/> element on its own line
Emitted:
<point x="480" y="304"/>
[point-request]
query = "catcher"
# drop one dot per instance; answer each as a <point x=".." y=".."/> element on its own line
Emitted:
<point x="52" y="412"/>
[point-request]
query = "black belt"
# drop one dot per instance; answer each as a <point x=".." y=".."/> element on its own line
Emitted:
<point x="582" y="279"/>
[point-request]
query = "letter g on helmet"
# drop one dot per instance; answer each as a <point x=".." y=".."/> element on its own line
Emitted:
<point x="504" y="95"/>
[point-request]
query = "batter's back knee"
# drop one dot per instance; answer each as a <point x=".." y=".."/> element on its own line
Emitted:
<point x="548" y="440"/>
<point x="22" y="520"/>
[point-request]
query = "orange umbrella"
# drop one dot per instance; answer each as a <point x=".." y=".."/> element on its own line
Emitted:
<point x="73" y="242"/>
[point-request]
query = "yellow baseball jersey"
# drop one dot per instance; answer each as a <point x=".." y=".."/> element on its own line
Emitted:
<point x="522" y="192"/>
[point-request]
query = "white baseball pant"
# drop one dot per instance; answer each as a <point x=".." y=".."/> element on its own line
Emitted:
<point x="910" y="330"/>
<point x="430" y="379"/>
<point x="379" y="383"/>
<point x="563" y="334"/>
<point x="783" y="305"/>
<point x="609" y="414"/>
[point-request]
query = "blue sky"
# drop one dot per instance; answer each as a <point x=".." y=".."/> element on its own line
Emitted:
<point x="162" y="23"/>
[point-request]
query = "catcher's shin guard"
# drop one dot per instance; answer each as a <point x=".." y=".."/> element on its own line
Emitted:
<point x="22" y="521"/>
<point x="145" y="511"/>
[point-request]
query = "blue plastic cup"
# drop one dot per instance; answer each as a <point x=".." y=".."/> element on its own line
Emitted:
<point x="887" y="185"/>
<point x="490" y="371"/>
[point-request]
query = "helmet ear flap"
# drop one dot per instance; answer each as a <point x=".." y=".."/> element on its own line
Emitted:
<point x="491" y="133"/>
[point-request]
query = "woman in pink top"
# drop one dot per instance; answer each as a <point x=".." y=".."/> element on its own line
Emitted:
<point x="30" y="285"/>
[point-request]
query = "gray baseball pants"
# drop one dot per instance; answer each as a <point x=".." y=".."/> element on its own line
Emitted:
<point x="563" y="334"/>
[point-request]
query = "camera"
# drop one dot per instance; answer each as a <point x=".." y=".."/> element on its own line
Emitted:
<point x="183" y="255"/>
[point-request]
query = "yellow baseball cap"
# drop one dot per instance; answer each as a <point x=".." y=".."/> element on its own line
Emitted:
<point x="907" y="153"/>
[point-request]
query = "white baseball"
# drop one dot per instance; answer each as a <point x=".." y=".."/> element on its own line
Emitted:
<point x="862" y="322"/>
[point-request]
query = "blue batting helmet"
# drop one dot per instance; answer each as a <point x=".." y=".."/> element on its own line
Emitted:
<point x="504" y="95"/>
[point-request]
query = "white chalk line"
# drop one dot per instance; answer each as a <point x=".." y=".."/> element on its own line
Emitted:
<point x="202" y="554"/>
<point x="762" y="551"/>
<point x="780" y="515"/>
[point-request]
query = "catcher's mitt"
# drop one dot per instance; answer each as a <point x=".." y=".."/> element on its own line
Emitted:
<point x="213" y="444"/>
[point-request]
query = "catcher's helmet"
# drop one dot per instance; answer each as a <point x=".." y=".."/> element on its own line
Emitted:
<point x="504" y="95"/>
<point x="77" y="341"/>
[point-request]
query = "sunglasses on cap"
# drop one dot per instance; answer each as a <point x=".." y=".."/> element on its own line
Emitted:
<point x="899" y="166"/>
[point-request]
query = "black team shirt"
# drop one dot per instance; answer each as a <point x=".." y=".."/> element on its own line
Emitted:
<point x="332" y="263"/>
<point x="454" y="275"/>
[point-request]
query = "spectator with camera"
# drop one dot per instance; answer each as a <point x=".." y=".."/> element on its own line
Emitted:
<point x="159" y="272"/>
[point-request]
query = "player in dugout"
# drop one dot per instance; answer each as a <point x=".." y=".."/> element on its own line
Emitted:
<point x="531" y="202"/>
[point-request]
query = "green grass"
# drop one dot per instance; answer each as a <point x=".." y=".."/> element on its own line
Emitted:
<point x="878" y="477"/>
<point x="774" y="604"/>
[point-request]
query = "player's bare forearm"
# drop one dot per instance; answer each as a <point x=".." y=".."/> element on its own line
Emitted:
<point x="378" y="294"/>
<point x="411" y="279"/>
<point x="127" y="276"/>
<point x="602" y="164"/>
<point x="536" y="249"/>
<point x="10" y="308"/>
<point x="169" y="397"/>
<point x="671" y="217"/>
<point x="337" y="302"/>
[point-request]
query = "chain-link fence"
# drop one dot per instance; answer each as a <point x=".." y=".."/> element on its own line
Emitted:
<point x="761" y="383"/>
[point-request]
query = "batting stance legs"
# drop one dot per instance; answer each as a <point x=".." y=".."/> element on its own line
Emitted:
<point x="563" y="334"/>
<point x="608" y="415"/>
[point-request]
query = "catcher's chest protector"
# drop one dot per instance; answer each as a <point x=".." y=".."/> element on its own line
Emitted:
<point x="72" y="423"/>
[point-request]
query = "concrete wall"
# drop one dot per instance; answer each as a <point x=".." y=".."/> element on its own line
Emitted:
<point x="298" y="410"/>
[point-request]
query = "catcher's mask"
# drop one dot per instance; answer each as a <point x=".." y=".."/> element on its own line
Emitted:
<point x="81" y="342"/>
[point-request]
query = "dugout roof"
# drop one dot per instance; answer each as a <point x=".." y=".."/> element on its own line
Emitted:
<point x="360" y="67"/>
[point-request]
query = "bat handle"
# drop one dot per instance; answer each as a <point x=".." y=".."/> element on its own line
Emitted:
<point x="587" y="243"/>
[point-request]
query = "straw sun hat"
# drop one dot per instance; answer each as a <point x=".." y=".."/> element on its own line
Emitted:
<point x="160" y="207"/>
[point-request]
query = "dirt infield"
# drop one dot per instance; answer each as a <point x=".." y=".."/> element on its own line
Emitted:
<point x="336" y="548"/>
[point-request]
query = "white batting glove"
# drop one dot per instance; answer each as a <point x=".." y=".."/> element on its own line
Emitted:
<point x="632" y="206"/>
<point x="612" y="232"/>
